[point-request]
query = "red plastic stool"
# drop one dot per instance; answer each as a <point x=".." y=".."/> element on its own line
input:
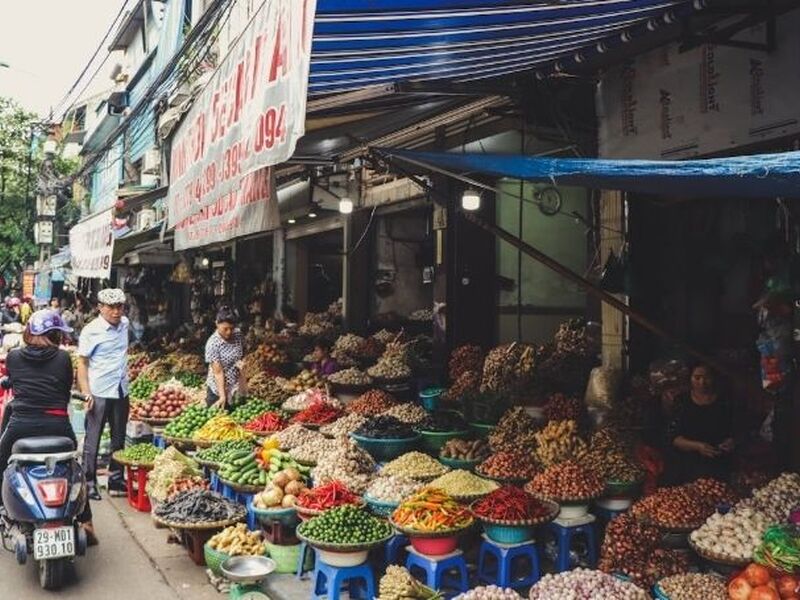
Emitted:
<point x="136" y="483"/>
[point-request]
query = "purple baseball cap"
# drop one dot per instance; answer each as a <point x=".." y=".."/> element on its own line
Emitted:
<point x="44" y="321"/>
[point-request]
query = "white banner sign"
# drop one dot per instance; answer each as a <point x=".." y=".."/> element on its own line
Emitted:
<point x="91" y="245"/>
<point x="249" y="116"/>
<point x="666" y="104"/>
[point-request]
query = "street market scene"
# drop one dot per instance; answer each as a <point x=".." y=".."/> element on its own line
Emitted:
<point x="400" y="300"/>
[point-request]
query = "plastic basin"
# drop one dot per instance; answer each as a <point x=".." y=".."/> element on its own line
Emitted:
<point x="342" y="559"/>
<point x="482" y="429"/>
<point x="386" y="449"/>
<point x="434" y="441"/>
<point x="457" y="463"/>
<point x="430" y="398"/>
<point x="434" y="546"/>
<point x="508" y="534"/>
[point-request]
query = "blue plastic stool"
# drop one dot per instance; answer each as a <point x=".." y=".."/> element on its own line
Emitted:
<point x="215" y="483"/>
<point x="394" y="547"/>
<point x="329" y="581"/>
<point x="159" y="442"/>
<point x="228" y="492"/>
<point x="564" y="535"/>
<point x="496" y="561"/>
<point x="301" y="560"/>
<point x="436" y="568"/>
<point x="247" y="500"/>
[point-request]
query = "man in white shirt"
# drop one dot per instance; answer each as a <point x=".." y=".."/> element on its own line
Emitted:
<point x="103" y="377"/>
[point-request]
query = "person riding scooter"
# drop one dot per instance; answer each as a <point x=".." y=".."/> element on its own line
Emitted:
<point x="41" y="376"/>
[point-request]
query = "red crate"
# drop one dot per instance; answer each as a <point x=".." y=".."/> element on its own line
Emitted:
<point x="136" y="483"/>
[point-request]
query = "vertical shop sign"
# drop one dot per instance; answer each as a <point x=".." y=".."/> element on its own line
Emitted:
<point x="91" y="245"/>
<point x="247" y="119"/>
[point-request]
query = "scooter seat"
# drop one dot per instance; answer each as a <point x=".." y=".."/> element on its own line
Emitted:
<point x="43" y="445"/>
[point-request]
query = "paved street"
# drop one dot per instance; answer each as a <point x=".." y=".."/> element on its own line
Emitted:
<point x="119" y="565"/>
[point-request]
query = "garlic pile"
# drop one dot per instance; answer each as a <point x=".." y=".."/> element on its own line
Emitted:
<point x="733" y="536"/>
<point x="776" y="499"/>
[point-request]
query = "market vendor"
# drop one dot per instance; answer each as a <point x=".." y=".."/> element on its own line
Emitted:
<point x="323" y="363"/>
<point x="224" y="352"/>
<point x="702" y="431"/>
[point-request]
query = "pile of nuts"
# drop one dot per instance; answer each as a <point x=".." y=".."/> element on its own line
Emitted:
<point x="585" y="584"/>
<point x="305" y="380"/>
<point x="347" y="464"/>
<point x="732" y="536"/>
<point x="465" y="359"/>
<point x="264" y="386"/>
<point x="392" y="365"/>
<point x="691" y="586"/>
<point x="683" y="507"/>
<point x="461" y="483"/>
<point x="312" y="452"/>
<point x="468" y="383"/>
<point x="407" y="413"/>
<point x="465" y="449"/>
<point x="561" y="407"/>
<point x="372" y="402"/>
<point x="515" y="431"/>
<point x="509" y="465"/>
<point x="559" y="442"/>
<point x="351" y="376"/>
<point x="393" y="488"/>
<point x="350" y="344"/>
<point x="573" y="337"/>
<point x="344" y="425"/>
<point x="297" y="435"/>
<point x="566" y="481"/>
<point x="415" y="465"/>
<point x="776" y="499"/>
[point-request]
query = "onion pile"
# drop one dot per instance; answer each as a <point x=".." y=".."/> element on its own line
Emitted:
<point x="585" y="584"/>
<point x="566" y="481"/>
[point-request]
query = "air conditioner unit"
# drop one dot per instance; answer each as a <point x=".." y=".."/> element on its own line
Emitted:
<point x="117" y="103"/>
<point x="150" y="181"/>
<point x="145" y="219"/>
<point x="167" y="122"/>
<point x="181" y="94"/>
<point x="151" y="163"/>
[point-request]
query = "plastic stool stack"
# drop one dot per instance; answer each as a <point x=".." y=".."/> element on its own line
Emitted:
<point x="565" y="532"/>
<point x="329" y="581"/>
<point x="436" y="569"/>
<point x="496" y="563"/>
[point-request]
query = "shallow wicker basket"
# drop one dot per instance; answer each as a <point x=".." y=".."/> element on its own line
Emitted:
<point x="130" y="463"/>
<point x="343" y="547"/>
<point x="718" y="559"/>
<point x="208" y="525"/>
<point x="178" y="442"/>
<point x="155" y="422"/>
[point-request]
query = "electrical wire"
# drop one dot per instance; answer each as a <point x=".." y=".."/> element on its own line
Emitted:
<point x="89" y="64"/>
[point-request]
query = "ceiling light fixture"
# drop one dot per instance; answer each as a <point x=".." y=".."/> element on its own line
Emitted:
<point x="471" y="200"/>
<point x="345" y="206"/>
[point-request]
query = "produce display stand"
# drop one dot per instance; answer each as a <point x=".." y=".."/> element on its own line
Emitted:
<point x="135" y="482"/>
<point x="433" y="543"/>
<point x="194" y="536"/>
<point x="342" y="555"/>
<point x="515" y="532"/>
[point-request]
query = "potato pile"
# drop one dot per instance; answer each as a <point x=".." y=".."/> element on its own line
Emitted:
<point x="238" y="541"/>
<point x="305" y="380"/>
<point x="559" y="442"/>
<point x="282" y="491"/>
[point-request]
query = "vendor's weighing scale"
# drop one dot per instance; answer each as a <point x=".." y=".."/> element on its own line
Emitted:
<point x="247" y="575"/>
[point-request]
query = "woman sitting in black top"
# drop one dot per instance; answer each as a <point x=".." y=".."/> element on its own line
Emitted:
<point x="41" y="376"/>
<point x="703" y="430"/>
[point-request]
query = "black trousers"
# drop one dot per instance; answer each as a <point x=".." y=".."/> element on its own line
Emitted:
<point x="113" y="411"/>
<point x="23" y="426"/>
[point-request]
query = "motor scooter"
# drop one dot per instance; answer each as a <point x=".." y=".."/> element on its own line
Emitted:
<point x="44" y="491"/>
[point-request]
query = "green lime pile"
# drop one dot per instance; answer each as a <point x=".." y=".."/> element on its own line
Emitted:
<point x="251" y="409"/>
<point x="347" y="524"/>
<point x="142" y="388"/>
<point x="190" y="420"/>
<point x="217" y="452"/>
<point x="140" y="453"/>
<point x="191" y="380"/>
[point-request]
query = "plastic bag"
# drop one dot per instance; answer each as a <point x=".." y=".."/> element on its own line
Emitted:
<point x="603" y="387"/>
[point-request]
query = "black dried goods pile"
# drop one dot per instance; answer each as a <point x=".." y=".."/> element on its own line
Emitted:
<point x="385" y="427"/>
<point x="198" y="506"/>
<point x="443" y="421"/>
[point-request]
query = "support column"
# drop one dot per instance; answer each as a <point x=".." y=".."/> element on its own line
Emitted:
<point x="356" y="278"/>
<point x="614" y="322"/>
<point x="278" y="268"/>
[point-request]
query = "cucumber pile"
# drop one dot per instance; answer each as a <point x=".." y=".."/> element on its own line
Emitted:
<point x="251" y="467"/>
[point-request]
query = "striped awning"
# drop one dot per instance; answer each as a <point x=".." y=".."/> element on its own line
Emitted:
<point x="358" y="43"/>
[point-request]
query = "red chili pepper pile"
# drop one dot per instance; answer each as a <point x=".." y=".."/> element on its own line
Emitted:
<point x="327" y="496"/>
<point x="268" y="421"/>
<point x="319" y="413"/>
<point x="510" y="504"/>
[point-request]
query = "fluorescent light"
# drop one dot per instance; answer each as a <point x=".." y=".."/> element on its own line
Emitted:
<point x="345" y="206"/>
<point x="312" y="215"/>
<point x="205" y="261"/>
<point x="291" y="221"/>
<point x="471" y="200"/>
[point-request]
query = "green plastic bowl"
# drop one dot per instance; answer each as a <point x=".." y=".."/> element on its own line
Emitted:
<point x="482" y="429"/>
<point x="434" y="441"/>
<point x="457" y="463"/>
<point x="380" y="508"/>
<point x="508" y="534"/>
<point x="386" y="449"/>
<point x="429" y="398"/>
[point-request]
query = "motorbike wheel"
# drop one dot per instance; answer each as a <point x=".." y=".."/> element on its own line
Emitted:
<point x="52" y="573"/>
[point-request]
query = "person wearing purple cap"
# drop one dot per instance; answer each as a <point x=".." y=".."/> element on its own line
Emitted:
<point x="41" y="376"/>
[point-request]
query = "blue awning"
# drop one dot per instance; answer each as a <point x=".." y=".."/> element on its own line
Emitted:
<point x="755" y="176"/>
<point x="358" y="43"/>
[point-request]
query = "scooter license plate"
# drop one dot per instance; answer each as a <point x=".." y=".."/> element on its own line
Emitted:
<point x="57" y="542"/>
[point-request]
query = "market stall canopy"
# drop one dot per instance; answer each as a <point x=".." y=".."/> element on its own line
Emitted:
<point x="360" y="43"/>
<point x="755" y="176"/>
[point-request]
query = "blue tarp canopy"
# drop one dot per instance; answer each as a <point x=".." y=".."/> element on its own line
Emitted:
<point x="755" y="176"/>
<point x="358" y="43"/>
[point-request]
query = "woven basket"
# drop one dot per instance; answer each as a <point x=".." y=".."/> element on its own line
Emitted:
<point x="379" y="508"/>
<point x="186" y="443"/>
<point x="207" y="463"/>
<point x="155" y="422"/>
<point x="343" y="547"/>
<point x="431" y="534"/>
<point x="201" y="526"/>
<point x="457" y="463"/>
<point x="131" y="463"/>
<point x="215" y="558"/>
<point x="718" y="558"/>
